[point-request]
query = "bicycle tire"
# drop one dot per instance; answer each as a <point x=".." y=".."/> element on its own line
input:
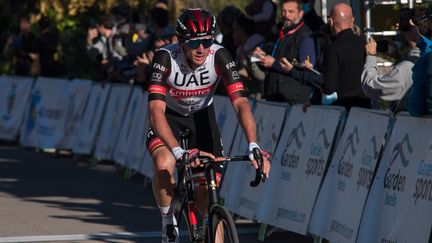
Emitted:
<point x="183" y="219"/>
<point x="218" y="215"/>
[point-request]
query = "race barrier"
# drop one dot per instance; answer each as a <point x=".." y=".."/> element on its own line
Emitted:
<point x="239" y="196"/>
<point x="137" y="148"/>
<point x="85" y="140"/>
<point x="358" y="177"/>
<point x="75" y="100"/>
<point x="45" y="112"/>
<point x="112" y="121"/>
<point x="399" y="206"/>
<point x="338" y="209"/>
<point x="298" y="166"/>
<point x="14" y="94"/>
<point x="125" y="136"/>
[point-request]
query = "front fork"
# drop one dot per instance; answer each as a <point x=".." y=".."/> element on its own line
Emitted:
<point x="197" y="231"/>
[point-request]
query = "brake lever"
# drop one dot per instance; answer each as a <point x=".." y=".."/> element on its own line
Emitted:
<point x="259" y="173"/>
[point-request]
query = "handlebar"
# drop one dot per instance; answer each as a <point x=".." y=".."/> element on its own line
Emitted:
<point x="207" y="160"/>
<point x="259" y="173"/>
<point x="259" y="176"/>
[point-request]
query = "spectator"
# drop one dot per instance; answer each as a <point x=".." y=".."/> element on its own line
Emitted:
<point x="263" y="14"/>
<point x="395" y="84"/>
<point x="311" y="18"/>
<point x="246" y="40"/>
<point x="139" y="41"/>
<point x="102" y="49"/>
<point x="122" y="28"/>
<point x="294" y="44"/>
<point x="420" y="100"/>
<point x="48" y="44"/>
<point x="21" y="50"/>
<point x="161" y="32"/>
<point x="225" y="21"/>
<point x="344" y="60"/>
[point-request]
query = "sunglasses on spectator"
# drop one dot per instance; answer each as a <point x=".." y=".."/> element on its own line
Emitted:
<point x="194" y="44"/>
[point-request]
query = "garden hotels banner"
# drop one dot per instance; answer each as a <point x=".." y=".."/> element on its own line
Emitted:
<point x="299" y="165"/>
<point x="241" y="197"/>
<point x="339" y="207"/>
<point x="399" y="206"/>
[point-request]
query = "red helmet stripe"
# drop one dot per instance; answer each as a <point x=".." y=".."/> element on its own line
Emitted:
<point x="198" y="16"/>
<point x="207" y="23"/>
<point x="191" y="25"/>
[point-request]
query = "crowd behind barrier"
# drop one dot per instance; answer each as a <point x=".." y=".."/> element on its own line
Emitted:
<point x="365" y="176"/>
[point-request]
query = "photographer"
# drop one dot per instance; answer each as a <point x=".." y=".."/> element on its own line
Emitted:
<point x="394" y="85"/>
<point x="100" y="48"/>
<point x="420" y="100"/>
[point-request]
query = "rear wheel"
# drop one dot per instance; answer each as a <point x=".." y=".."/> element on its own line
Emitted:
<point x="222" y="227"/>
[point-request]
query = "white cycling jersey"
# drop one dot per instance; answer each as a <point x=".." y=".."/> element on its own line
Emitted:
<point x="188" y="90"/>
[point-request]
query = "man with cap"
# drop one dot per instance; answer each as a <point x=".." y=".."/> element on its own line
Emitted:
<point x="420" y="101"/>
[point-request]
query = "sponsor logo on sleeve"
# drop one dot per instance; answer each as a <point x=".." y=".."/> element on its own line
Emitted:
<point x="234" y="87"/>
<point x="230" y="65"/>
<point x="157" y="89"/>
<point x="160" y="67"/>
<point x="157" y="77"/>
<point x="235" y="75"/>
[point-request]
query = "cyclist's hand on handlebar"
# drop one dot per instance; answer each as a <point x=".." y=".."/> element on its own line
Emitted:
<point x="193" y="155"/>
<point x="265" y="156"/>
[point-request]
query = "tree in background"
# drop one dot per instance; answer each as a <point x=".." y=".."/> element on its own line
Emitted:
<point x="72" y="18"/>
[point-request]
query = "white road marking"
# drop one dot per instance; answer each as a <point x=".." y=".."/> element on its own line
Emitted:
<point x="101" y="236"/>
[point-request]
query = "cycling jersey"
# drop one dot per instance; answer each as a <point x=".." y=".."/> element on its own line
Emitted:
<point x="188" y="90"/>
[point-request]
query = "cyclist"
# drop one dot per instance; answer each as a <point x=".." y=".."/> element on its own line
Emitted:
<point x="184" y="78"/>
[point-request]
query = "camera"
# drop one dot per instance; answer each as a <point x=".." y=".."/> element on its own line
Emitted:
<point x="382" y="46"/>
<point x="405" y="14"/>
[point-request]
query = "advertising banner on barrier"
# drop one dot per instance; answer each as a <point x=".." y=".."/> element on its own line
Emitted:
<point x="399" y="205"/>
<point x="137" y="149"/>
<point x="240" y="197"/>
<point x="14" y="95"/>
<point x="90" y="122"/>
<point x="339" y="206"/>
<point x="298" y="166"/>
<point x="112" y="121"/>
<point x="126" y="132"/>
<point x="44" y="112"/>
<point x="75" y="100"/>
<point x="226" y="119"/>
<point x="236" y="137"/>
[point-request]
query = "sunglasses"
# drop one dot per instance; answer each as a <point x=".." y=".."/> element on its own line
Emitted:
<point x="194" y="44"/>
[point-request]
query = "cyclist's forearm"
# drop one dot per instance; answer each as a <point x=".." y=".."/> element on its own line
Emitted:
<point x="246" y="119"/>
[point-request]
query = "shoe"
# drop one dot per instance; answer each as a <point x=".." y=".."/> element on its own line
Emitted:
<point x="170" y="233"/>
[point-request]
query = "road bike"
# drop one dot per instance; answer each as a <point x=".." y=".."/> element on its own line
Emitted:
<point x="218" y="224"/>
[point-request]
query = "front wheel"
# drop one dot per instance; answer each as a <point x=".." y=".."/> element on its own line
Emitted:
<point x="222" y="228"/>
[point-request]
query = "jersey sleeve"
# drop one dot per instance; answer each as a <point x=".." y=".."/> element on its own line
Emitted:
<point x="161" y="68"/>
<point x="227" y="70"/>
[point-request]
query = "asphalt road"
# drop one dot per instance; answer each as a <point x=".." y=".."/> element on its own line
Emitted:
<point x="47" y="198"/>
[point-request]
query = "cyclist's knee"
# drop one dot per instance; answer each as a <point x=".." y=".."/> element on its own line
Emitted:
<point x="163" y="161"/>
